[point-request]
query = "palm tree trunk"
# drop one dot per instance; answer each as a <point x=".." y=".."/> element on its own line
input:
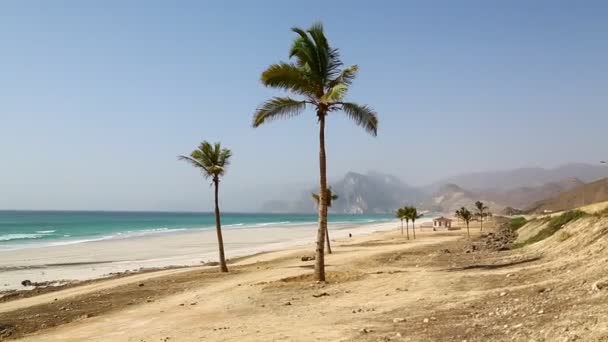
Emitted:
<point x="218" y="228"/>
<point x="407" y="228"/>
<point x="327" y="239"/>
<point x="481" y="223"/>
<point x="401" y="227"/>
<point x="468" y="233"/>
<point x="320" y="255"/>
<point x="414" y="228"/>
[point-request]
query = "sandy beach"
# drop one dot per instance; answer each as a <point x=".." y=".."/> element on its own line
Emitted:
<point x="100" y="258"/>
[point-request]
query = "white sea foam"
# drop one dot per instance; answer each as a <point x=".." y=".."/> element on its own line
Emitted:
<point x="45" y="231"/>
<point x="9" y="237"/>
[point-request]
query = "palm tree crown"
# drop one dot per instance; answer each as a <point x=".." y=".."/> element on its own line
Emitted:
<point x="317" y="77"/>
<point x="211" y="159"/>
<point x="329" y="198"/>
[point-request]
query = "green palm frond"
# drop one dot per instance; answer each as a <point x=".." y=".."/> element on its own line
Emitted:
<point x="305" y="51"/>
<point x="363" y="116"/>
<point x="334" y="94"/>
<point x="346" y="76"/>
<point x="278" y="108"/>
<point x="288" y="77"/>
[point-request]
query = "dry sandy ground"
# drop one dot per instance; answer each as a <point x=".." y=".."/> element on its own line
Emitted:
<point x="380" y="288"/>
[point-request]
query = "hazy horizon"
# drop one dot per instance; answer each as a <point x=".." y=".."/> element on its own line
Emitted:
<point x="99" y="98"/>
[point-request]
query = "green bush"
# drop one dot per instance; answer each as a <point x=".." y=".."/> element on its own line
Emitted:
<point x="517" y="223"/>
<point x="554" y="225"/>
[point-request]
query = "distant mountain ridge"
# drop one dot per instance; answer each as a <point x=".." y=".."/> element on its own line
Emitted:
<point x="524" y="177"/>
<point x="377" y="192"/>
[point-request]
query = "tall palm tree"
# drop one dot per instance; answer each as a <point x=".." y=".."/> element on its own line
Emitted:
<point x="481" y="213"/>
<point x="330" y="198"/>
<point x="212" y="160"/>
<point x="317" y="78"/>
<point x="465" y="215"/>
<point x="414" y="216"/>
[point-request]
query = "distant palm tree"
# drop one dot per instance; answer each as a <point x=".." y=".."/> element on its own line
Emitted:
<point x="481" y="213"/>
<point x="212" y="160"/>
<point x="329" y="198"/>
<point x="317" y="77"/>
<point x="407" y="213"/>
<point x="413" y="214"/>
<point x="465" y="215"/>
<point x="400" y="214"/>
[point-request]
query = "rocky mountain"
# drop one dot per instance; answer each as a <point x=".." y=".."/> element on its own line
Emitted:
<point x="358" y="194"/>
<point x="582" y="195"/>
<point x="451" y="197"/>
<point x="372" y="193"/>
<point x="524" y="177"/>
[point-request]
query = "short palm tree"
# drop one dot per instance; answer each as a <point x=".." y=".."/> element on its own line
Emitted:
<point x="400" y="214"/>
<point x="212" y="160"/>
<point x="317" y="78"/>
<point x="465" y="215"/>
<point x="407" y="212"/>
<point x="413" y="214"/>
<point x="481" y="213"/>
<point x="329" y="198"/>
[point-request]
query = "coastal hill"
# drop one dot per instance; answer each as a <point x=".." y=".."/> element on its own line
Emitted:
<point x="582" y="195"/>
<point x="525" y="196"/>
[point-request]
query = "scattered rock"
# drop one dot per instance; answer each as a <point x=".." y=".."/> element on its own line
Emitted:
<point x="600" y="285"/>
<point x="502" y="294"/>
<point x="193" y="303"/>
<point x="365" y="330"/>
<point x="399" y="320"/>
<point x="540" y="312"/>
<point x="26" y="282"/>
<point x="308" y="258"/>
<point x="6" y="330"/>
<point x="426" y="320"/>
<point x="323" y="294"/>
<point x="287" y="303"/>
<point x="140" y="284"/>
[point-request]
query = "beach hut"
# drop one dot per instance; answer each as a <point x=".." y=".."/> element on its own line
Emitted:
<point x="442" y="222"/>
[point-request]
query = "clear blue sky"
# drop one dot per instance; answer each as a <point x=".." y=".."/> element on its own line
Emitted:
<point x="98" y="97"/>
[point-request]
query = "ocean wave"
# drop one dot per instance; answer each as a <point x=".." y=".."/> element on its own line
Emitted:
<point x="264" y="224"/>
<point x="9" y="237"/>
<point x="45" y="231"/>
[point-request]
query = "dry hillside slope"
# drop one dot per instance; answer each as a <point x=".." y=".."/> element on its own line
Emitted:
<point x="580" y="196"/>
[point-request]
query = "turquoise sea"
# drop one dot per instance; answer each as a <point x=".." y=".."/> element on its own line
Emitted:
<point x="23" y="229"/>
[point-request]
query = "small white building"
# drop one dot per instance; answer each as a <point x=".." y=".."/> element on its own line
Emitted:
<point x="442" y="222"/>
